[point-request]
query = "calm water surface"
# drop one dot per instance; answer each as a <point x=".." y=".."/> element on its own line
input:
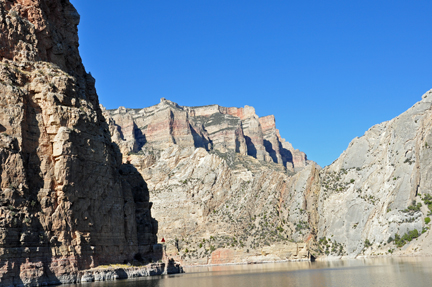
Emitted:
<point x="370" y="272"/>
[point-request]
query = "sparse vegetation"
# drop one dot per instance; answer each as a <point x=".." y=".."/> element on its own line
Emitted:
<point x="427" y="199"/>
<point x="413" y="207"/>
<point x="367" y="243"/>
<point x="407" y="237"/>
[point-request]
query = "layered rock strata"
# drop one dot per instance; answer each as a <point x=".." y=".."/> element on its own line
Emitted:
<point x="211" y="201"/>
<point x="219" y="180"/>
<point x="205" y="201"/>
<point x="220" y="204"/>
<point x="67" y="202"/>
<point x="210" y="127"/>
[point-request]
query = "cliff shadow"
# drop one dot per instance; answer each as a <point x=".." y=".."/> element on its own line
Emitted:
<point x="269" y="148"/>
<point x="139" y="137"/>
<point x="286" y="155"/>
<point x="251" y="149"/>
<point x="146" y="225"/>
<point x="200" y="140"/>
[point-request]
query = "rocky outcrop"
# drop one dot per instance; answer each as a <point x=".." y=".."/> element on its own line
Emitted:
<point x="217" y="203"/>
<point x="67" y="202"/>
<point x="204" y="201"/>
<point x="116" y="272"/>
<point x="280" y="150"/>
<point x="220" y="178"/>
<point x="379" y="189"/>
<point x="211" y="127"/>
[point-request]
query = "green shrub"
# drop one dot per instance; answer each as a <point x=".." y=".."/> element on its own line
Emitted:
<point x="410" y="235"/>
<point x="367" y="243"/>
<point x="427" y="220"/>
<point x="413" y="208"/>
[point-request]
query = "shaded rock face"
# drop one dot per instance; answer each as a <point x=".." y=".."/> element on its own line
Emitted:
<point x="211" y="127"/>
<point x="66" y="202"/>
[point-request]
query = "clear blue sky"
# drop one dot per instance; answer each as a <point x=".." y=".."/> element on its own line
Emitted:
<point x="328" y="70"/>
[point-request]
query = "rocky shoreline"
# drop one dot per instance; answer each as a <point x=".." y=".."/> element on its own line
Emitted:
<point x="116" y="273"/>
<point x="107" y="273"/>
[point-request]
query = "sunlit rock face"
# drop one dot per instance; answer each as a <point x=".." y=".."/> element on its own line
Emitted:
<point x="66" y="202"/>
<point x="220" y="178"/>
<point x="224" y="181"/>
<point x="379" y="187"/>
<point x="212" y="127"/>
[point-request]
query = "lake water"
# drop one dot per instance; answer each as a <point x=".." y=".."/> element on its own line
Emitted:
<point x="368" y="272"/>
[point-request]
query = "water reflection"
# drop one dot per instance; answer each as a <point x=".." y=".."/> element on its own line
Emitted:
<point x="361" y="272"/>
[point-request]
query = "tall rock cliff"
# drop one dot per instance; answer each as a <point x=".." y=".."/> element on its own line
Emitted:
<point x="221" y="180"/>
<point x="211" y="127"/>
<point x="223" y="193"/>
<point x="66" y="202"/>
<point x="375" y="197"/>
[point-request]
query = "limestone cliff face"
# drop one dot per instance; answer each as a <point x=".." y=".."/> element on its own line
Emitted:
<point x="218" y="177"/>
<point x="210" y="201"/>
<point x="66" y="202"/>
<point x="379" y="187"/>
<point x="211" y="127"/>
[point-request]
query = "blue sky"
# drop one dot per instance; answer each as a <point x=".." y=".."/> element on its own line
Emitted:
<point x="328" y="70"/>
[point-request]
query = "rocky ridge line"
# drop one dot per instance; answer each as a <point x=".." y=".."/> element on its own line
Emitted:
<point x="210" y="127"/>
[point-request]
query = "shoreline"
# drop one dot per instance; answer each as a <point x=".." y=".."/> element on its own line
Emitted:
<point x="112" y="273"/>
<point x="247" y="263"/>
<point x="322" y="259"/>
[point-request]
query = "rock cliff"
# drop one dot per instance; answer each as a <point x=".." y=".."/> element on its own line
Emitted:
<point x="75" y="178"/>
<point x="67" y="202"/>
<point x="211" y="127"/>
<point x="375" y="198"/>
<point x="221" y="179"/>
<point x="218" y="178"/>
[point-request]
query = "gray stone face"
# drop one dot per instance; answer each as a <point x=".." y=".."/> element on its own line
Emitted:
<point x="365" y="192"/>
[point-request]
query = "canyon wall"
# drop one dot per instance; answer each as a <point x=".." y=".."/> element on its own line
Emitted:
<point x="228" y="188"/>
<point x="211" y="127"/>
<point x="76" y="179"/>
<point x="379" y="189"/>
<point x="221" y="180"/>
<point x="67" y="202"/>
